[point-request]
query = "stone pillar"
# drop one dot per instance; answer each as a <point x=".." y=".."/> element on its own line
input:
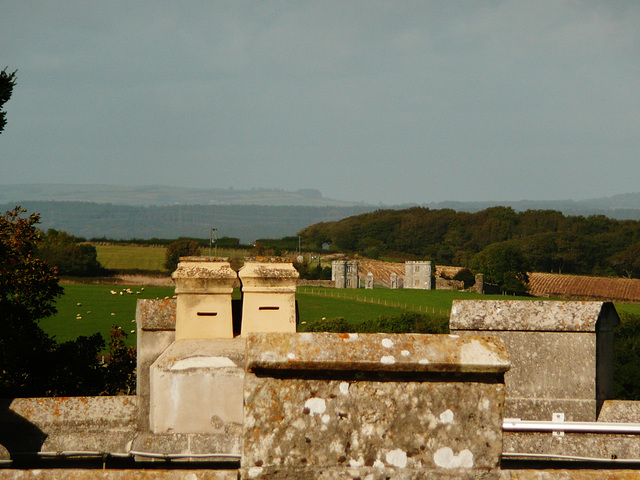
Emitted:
<point x="204" y="289"/>
<point x="156" y="330"/>
<point x="352" y="279"/>
<point x="268" y="297"/>
<point x="368" y="281"/>
<point x="339" y="273"/>
<point x="561" y="353"/>
<point x="393" y="281"/>
<point x="332" y="406"/>
<point x="196" y="383"/>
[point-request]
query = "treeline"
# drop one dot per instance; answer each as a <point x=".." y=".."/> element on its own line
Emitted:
<point x="541" y="240"/>
<point x="222" y="242"/>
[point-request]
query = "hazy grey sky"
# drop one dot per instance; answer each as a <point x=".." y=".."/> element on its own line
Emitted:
<point x="382" y="102"/>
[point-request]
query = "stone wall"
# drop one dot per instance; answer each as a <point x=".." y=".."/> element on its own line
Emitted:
<point x="334" y="406"/>
<point x="373" y="406"/>
<point x="562" y="353"/>
<point x="445" y="284"/>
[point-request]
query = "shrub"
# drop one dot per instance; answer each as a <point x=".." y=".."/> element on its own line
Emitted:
<point x="177" y="249"/>
<point x="466" y="276"/>
<point x="408" y="322"/>
<point x="626" y="349"/>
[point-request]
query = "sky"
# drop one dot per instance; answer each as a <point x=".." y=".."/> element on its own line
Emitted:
<point x="383" y="102"/>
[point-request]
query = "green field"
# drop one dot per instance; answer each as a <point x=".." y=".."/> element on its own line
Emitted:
<point x="425" y="301"/>
<point x="131" y="257"/>
<point x="146" y="257"/>
<point x="87" y="309"/>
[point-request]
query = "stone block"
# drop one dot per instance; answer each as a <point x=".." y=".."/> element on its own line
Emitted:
<point x="325" y="405"/>
<point x="561" y="353"/>
<point x="620" y="411"/>
<point x="268" y="297"/>
<point x="156" y="315"/>
<point x="103" y="424"/>
<point x="156" y="321"/>
<point x="203" y="289"/>
<point x="196" y="387"/>
<point x="202" y="447"/>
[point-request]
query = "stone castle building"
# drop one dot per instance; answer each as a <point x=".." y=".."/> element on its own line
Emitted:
<point x="418" y="275"/>
<point x="345" y="274"/>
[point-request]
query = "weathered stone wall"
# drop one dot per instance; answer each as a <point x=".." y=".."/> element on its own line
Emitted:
<point x="444" y="284"/>
<point x="562" y="353"/>
<point x="324" y="405"/>
<point x="334" y="406"/>
<point x="102" y="424"/>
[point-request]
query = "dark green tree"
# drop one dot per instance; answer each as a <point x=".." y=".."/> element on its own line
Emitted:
<point x="27" y="283"/>
<point x="120" y="365"/>
<point x="627" y="262"/>
<point x="177" y="249"/>
<point x="503" y="264"/>
<point x="69" y="254"/>
<point x="465" y="276"/>
<point x="28" y="289"/>
<point x="31" y="362"/>
<point x="7" y="82"/>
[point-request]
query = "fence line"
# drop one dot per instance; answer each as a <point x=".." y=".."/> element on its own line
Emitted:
<point x="364" y="299"/>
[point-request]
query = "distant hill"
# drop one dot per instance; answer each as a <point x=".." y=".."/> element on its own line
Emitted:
<point x="125" y="212"/>
<point x="154" y="195"/>
<point x="246" y="222"/>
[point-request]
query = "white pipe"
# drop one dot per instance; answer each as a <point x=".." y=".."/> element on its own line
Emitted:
<point x="541" y="456"/>
<point x="183" y="455"/>
<point x="138" y="454"/>
<point x="583" y="427"/>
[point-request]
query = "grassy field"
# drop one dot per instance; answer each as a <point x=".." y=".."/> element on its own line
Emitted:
<point x="87" y="309"/>
<point x="131" y="257"/>
<point x="143" y="257"/>
<point x="425" y="301"/>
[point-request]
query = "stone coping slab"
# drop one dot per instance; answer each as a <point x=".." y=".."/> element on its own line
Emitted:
<point x="105" y="424"/>
<point x="205" y="353"/>
<point x="268" y="277"/>
<point x="533" y="315"/>
<point x="376" y="352"/>
<point x="620" y="411"/>
<point x="58" y="413"/>
<point x="366" y="473"/>
<point x="156" y="315"/>
<point x="199" y="275"/>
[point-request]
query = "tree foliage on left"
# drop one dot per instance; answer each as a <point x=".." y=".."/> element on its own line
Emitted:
<point x="31" y="362"/>
<point x="7" y="82"/>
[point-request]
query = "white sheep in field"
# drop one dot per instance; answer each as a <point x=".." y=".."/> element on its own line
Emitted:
<point x="113" y="292"/>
